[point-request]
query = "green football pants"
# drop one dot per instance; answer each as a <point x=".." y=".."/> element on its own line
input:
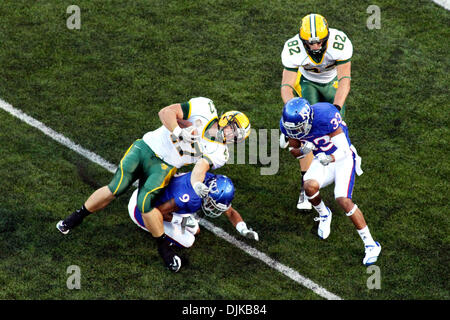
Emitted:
<point x="140" y="162"/>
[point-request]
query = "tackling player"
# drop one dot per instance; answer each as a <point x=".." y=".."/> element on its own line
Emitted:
<point x="178" y="204"/>
<point x="317" y="67"/>
<point x="320" y="129"/>
<point x="155" y="158"/>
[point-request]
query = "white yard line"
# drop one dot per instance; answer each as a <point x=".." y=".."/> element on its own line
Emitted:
<point x="292" y="274"/>
<point x="443" y="3"/>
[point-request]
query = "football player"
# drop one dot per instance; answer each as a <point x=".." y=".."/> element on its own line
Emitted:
<point x="317" y="67"/>
<point x="178" y="205"/>
<point x="322" y="132"/>
<point x="155" y="158"/>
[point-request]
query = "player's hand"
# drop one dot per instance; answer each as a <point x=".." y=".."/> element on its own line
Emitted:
<point x="307" y="147"/>
<point x="201" y="189"/>
<point x="249" y="233"/>
<point x="188" y="134"/>
<point x="284" y="141"/>
<point x="188" y="222"/>
<point x="324" y="159"/>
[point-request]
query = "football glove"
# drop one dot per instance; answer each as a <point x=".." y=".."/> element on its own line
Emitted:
<point x="201" y="189"/>
<point x="307" y="147"/>
<point x="241" y="227"/>
<point x="187" y="134"/>
<point x="324" y="159"/>
<point x="249" y="233"/>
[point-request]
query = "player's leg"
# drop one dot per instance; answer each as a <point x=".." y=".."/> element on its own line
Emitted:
<point x="102" y="197"/>
<point x="317" y="177"/>
<point x="184" y="238"/>
<point x="156" y="175"/>
<point x="307" y="90"/>
<point x="345" y="180"/>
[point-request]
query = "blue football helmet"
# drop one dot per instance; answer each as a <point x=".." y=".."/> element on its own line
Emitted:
<point x="297" y="118"/>
<point x="221" y="193"/>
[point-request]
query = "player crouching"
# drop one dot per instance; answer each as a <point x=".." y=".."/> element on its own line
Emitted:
<point x="179" y="203"/>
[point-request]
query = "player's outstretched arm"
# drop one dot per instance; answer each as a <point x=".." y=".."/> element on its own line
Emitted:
<point x="236" y="220"/>
<point x="198" y="176"/>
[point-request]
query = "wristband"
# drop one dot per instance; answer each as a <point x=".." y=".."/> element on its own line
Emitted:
<point x="241" y="226"/>
<point x="177" y="131"/>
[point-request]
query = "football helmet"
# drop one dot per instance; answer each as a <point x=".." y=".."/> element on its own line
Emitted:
<point x="314" y="29"/>
<point x="239" y="124"/>
<point x="221" y="193"/>
<point x="297" y="118"/>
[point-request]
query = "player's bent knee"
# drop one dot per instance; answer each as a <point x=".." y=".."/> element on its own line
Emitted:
<point x="311" y="187"/>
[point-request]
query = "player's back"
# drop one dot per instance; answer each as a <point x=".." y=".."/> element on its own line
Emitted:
<point x="327" y="119"/>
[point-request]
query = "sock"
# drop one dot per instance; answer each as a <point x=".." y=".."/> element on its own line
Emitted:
<point x="366" y="237"/>
<point x="76" y="217"/>
<point x="321" y="208"/>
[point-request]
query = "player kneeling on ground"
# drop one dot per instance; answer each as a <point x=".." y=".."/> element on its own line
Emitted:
<point x="319" y="128"/>
<point x="180" y="201"/>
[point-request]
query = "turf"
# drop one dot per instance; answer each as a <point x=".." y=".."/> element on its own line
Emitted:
<point x="102" y="87"/>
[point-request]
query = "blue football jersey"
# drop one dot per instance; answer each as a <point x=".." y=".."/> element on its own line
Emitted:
<point x="327" y="119"/>
<point x="180" y="189"/>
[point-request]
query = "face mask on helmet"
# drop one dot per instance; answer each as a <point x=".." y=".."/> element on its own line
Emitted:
<point x="314" y="30"/>
<point x="218" y="200"/>
<point x="297" y="118"/>
<point x="234" y="126"/>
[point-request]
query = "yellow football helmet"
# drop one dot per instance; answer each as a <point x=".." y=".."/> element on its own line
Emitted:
<point x="238" y="122"/>
<point x="314" y="29"/>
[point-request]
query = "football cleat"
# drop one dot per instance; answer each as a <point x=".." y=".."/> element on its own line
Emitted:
<point x="171" y="260"/>
<point x="303" y="202"/>
<point x="62" y="227"/>
<point x="372" y="253"/>
<point x="175" y="264"/>
<point x="324" y="225"/>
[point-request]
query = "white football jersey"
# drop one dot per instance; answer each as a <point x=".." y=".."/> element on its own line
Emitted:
<point x="339" y="49"/>
<point x="201" y="113"/>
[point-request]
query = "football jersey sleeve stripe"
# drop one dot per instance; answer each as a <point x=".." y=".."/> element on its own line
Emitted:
<point x="186" y="108"/>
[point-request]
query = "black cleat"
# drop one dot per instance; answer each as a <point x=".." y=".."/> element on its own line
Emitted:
<point x="61" y="226"/>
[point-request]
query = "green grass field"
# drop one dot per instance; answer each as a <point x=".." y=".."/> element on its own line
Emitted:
<point x="102" y="86"/>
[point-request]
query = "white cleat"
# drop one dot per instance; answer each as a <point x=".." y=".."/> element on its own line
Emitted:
<point x="324" y="225"/>
<point x="372" y="253"/>
<point x="303" y="202"/>
<point x="283" y="141"/>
